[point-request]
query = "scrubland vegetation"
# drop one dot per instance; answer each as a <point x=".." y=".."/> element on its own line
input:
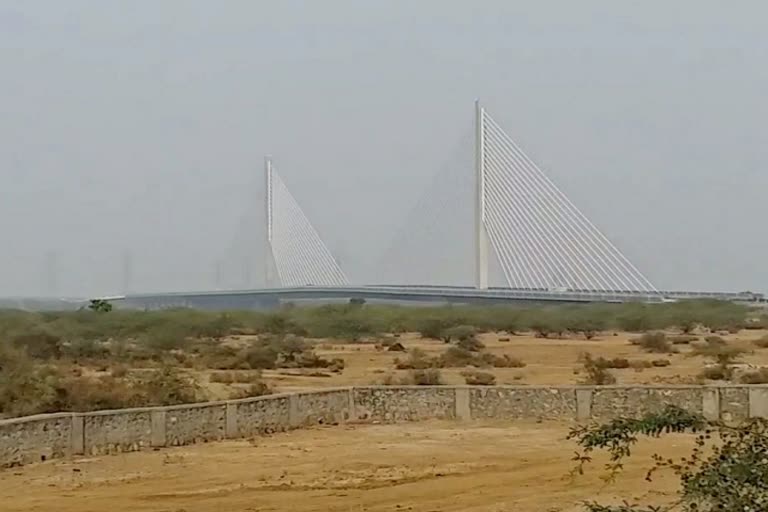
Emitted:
<point x="102" y="358"/>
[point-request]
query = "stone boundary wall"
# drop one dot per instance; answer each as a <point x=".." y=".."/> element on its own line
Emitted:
<point x="47" y="436"/>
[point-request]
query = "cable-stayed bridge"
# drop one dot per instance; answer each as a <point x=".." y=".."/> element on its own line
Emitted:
<point x="523" y="229"/>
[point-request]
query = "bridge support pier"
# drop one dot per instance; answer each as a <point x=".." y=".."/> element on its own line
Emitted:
<point x="481" y="235"/>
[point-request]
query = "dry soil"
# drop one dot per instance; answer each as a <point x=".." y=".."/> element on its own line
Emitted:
<point x="433" y="466"/>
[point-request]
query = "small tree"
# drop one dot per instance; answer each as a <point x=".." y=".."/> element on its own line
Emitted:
<point x="100" y="306"/>
<point x="727" y="470"/>
<point x="597" y="372"/>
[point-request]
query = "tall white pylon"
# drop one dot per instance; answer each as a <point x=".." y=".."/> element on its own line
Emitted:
<point x="481" y="235"/>
<point x="299" y="254"/>
<point x="542" y="241"/>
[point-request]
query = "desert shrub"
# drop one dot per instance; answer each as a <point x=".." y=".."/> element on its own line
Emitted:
<point x="417" y="360"/>
<point x="224" y="357"/>
<point x="761" y="342"/>
<point x="640" y="364"/>
<point x="655" y="342"/>
<point x="505" y="361"/>
<point x="290" y="349"/>
<point x="25" y="388"/>
<point x="166" y="338"/>
<point x="715" y="340"/>
<point x="459" y="333"/>
<point x="720" y="354"/>
<point x="596" y="375"/>
<point x="434" y="328"/>
<point x="39" y="344"/>
<point x="260" y="357"/>
<point x="475" y="378"/>
<point x="280" y="323"/>
<point x="455" y="357"/>
<point x="259" y="388"/>
<point x="169" y="386"/>
<point x="716" y="373"/>
<point x="85" y="349"/>
<point x="511" y="324"/>
<point x="756" y="323"/>
<point x="222" y="377"/>
<point x="755" y="377"/>
<point x="682" y="339"/>
<point x="585" y="324"/>
<point x="636" y="321"/>
<point x="471" y="344"/>
<point x="428" y="377"/>
<point x="119" y="371"/>
<point x="218" y="327"/>
<point x="547" y="323"/>
<point x="618" y="363"/>
<point x="660" y="363"/>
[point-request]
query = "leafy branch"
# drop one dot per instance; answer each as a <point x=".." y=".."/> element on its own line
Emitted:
<point x="727" y="470"/>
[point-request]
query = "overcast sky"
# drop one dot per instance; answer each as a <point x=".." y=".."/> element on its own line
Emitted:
<point x="140" y="126"/>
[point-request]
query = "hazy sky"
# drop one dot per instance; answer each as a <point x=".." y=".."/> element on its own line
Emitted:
<point x="141" y="125"/>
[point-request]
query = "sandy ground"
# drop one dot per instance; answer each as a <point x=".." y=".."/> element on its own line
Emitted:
<point x="433" y="466"/>
<point x="548" y="361"/>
